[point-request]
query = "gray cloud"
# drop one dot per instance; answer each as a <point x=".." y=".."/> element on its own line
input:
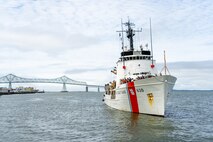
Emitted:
<point x="199" y="65"/>
<point x="79" y="71"/>
<point x="48" y="38"/>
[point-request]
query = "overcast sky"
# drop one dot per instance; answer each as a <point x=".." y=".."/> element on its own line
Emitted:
<point x="77" y="38"/>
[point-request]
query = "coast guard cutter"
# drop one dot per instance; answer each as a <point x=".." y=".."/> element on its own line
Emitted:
<point x="138" y="87"/>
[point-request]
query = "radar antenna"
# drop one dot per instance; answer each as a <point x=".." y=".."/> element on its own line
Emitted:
<point x="130" y="33"/>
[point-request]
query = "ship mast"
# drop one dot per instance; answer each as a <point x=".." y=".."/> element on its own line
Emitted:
<point x="122" y="35"/>
<point x="165" y="68"/>
<point x="122" y="41"/>
<point x="130" y="33"/>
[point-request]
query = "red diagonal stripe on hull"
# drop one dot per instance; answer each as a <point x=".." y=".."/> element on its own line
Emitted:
<point x="133" y="97"/>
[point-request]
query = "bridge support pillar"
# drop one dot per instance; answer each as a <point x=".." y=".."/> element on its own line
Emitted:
<point x="98" y="89"/>
<point x="87" y="89"/>
<point x="10" y="86"/>
<point x="64" y="89"/>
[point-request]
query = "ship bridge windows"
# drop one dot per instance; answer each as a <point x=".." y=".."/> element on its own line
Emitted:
<point x="148" y="57"/>
<point x="146" y="52"/>
<point x="136" y="73"/>
<point x="135" y="58"/>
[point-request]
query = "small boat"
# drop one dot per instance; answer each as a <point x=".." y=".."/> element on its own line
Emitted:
<point x="138" y="87"/>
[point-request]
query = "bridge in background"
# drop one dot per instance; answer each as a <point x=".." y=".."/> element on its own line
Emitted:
<point x="11" y="78"/>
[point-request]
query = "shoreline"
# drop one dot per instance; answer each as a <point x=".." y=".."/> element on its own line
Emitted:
<point x="24" y="92"/>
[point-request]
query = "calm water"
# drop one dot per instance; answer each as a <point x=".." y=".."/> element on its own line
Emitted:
<point x="80" y="116"/>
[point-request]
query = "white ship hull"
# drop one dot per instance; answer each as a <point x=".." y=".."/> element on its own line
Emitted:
<point x="148" y="96"/>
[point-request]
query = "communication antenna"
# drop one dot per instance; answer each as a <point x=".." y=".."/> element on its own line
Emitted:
<point x="122" y="41"/>
<point x="165" y="66"/>
<point x="150" y="24"/>
<point x="122" y="35"/>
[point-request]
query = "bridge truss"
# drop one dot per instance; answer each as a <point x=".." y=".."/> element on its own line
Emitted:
<point x="11" y="78"/>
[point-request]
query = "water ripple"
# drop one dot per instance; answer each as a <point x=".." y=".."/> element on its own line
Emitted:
<point x="79" y="116"/>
